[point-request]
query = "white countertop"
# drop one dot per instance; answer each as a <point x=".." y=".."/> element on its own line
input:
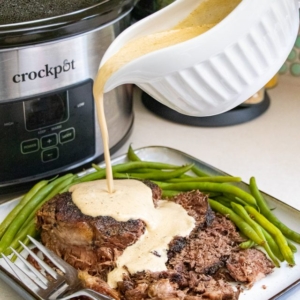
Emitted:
<point x="267" y="147"/>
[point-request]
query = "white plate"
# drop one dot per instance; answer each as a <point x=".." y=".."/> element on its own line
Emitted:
<point x="274" y="283"/>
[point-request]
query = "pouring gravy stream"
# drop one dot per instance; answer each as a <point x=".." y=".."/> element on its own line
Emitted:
<point x="130" y="199"/>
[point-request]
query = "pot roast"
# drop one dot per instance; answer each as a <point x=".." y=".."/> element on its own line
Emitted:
<point x="200" y="266"/>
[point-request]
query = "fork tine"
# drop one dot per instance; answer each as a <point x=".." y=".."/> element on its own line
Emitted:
<point x="67" y="282"/>
<point x="21" y="275"/>
<point x="87" y="292"/>
<point x="41" y="262"/>
<point x="56" y="260"/>
<point x="70" y="273"/>
<point x="50" y="291"/>
<point x="31" y="267"/>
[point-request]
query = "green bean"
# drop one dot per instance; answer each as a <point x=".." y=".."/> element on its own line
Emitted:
<point x="91" y="177"/>
<point x="223" y="200"/>
<point x="247" y="244"/>
<point x="170" y="194"/>
<point x="26" y="242"/>
<point x="143" y="164"/>
<point x="265" y="210"/>
<point x="144" y="170"/>
<point x="199" y="172"/>
<point x="185" y="176"/>
<point x="31" y="216"/>
<point x="29" y="230"/>
<point x="33" y="191"/>
<point x="14" y="212"/>
<point x="240" y="210"/>
<point x="292" y="246"/>
<point x="97" y="168"/>
<point x="155" y="175"/>
<point x="212" y="194"/>
<point x="47" y="193"/>
<point x="219" y="179"/>
<point x="125" y="167"/>
<point x="273" y="245"/>
<point x="66" y="188"/>
<point x="244" y="227"/>
<point x="124" y="176"/>
<point x="56" y="190"/>
<point x="235" y="199"/>
<point x="210" y="187"/>
<point x="131" y="155"/>
<point x="275" y="233"/>
<point x="29" y="219"/>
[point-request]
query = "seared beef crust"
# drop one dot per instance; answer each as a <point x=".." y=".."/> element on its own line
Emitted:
<point x="195" y="267"/>
<point x="196" y="205"/>
<point x="65" y="220"/>
<point x="86" y="242"/>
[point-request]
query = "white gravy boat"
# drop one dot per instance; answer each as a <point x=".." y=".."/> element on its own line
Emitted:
<point x="217" y="70"/>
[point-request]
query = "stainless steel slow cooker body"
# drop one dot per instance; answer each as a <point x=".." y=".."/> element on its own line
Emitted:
<point x="58" y="56"/>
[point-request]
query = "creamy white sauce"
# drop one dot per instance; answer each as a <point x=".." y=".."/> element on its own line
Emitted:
<point x="205" y="16"/>
<point x="150" y="251"/>
<point x="130" y="199"/>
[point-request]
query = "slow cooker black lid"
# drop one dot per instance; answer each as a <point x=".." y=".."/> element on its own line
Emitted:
<point x="50" y="29"/>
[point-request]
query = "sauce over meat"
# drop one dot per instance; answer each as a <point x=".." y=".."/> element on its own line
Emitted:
<point x="163" y="222"/>
<point x="128" y="199"/>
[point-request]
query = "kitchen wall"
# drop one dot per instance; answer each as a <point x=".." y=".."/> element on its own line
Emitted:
<point x="292" y="65"/>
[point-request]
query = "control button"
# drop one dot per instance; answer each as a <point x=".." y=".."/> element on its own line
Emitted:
<point x="8" y="124"/>
<point x="30" y="146"/>
<point x="80" y="105"/>
<point x="50" y="154"/>
<point x="49" y="141"/>
<point x="67" y="135"/>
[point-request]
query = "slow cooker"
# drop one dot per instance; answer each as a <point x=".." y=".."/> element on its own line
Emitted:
<point x="47" y="65"/>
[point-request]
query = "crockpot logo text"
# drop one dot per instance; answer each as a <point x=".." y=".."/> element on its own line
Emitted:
<point x="46" y="72"/>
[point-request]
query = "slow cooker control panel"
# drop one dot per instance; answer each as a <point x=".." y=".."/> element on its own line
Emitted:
<point x="47" y="133"/>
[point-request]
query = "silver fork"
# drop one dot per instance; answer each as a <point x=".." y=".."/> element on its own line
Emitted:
<point x="65" y="283"/>
<point x="87" y="292"/>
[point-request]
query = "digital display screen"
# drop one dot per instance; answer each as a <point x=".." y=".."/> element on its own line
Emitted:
<point x="46" y="111"/>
